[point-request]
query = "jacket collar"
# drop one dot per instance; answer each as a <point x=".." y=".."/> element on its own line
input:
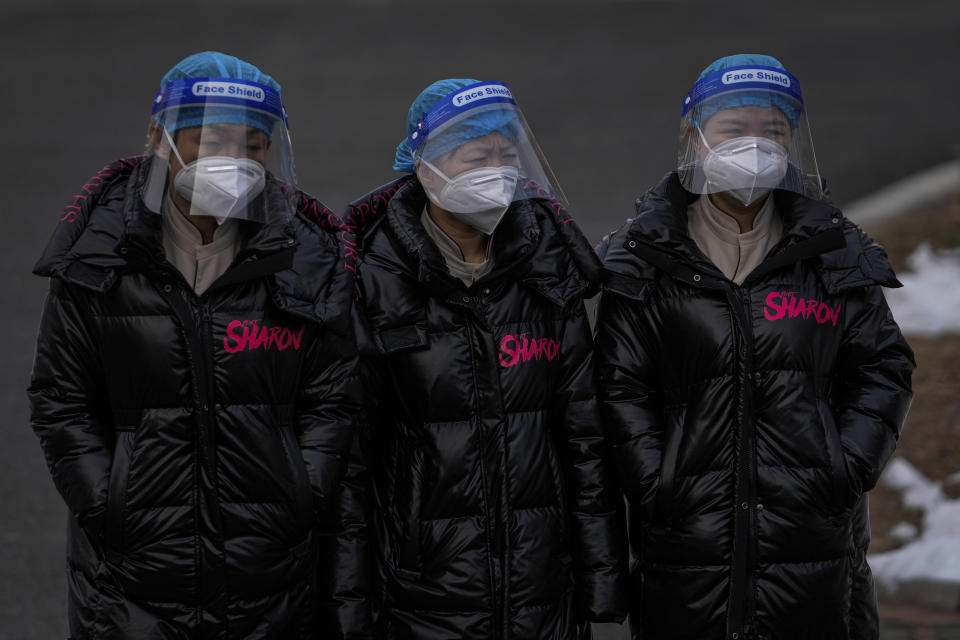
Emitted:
<point x="141" y="241"/>
<point x="659" y="233"/>
<point x="511" y="248"/>
<point x="536" y="244"/>
<point x="109" y="232"/>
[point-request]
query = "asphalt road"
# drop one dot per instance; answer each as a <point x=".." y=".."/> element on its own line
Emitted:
<point x="599" y="81"/>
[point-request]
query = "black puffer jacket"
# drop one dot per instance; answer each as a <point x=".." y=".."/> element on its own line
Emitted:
<point x="749" y="421"/>
<point x="195" y="439"/>
<point x="494" y="517"/>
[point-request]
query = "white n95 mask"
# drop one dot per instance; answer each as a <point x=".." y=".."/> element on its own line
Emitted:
<point x="219" y="186"/>
<point x="479" y="197"/>
<point x="747" y="167"/>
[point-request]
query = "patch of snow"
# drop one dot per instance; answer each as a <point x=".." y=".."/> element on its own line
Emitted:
<point x="927" y="304"/>
<point x="944" y="520"/>
<point x="929" y="558"/>
<point x="935" y="555"/>
<point x="916" y="491"/>
<point x="903" y="531"/>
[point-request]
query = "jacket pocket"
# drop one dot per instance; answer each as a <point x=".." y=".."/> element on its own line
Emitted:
<point x="663" y="497"/>
<point x="398" y="339"/>
<point x="117" y="489"/>
<point x="838" y="466"/>
<point x="302" y="495"/>
<point x="408" y="498"/>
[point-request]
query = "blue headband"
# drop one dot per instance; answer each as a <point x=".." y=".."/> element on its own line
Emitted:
<point x="459" y="102"/>
<point x="241" y="102"/>
<point x="757" y="85"/>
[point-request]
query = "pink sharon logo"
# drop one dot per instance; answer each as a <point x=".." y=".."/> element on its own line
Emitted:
<point x="250" y="334"/>
<point x="516" y="349"/>
<point x="785" y="304"/>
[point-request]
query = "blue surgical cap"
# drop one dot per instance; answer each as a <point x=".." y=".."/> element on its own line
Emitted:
<point x="475" y="125"/>
<point x="757" y="98"/>
<point x="213" y="64"/>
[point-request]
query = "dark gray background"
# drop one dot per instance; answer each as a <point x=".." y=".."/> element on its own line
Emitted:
<point x="600" y="83"/>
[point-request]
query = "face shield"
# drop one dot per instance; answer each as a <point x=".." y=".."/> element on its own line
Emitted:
<point x="475" y="156"/>
<point x="744" y="130"/>
<point x="220" y="148"/>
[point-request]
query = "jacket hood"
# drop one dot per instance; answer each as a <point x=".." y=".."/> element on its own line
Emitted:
<point x="847" y="257"/>
<point x="537" y="244"/>
<point x="106" y="232"/>
<point x="82" y="248"/>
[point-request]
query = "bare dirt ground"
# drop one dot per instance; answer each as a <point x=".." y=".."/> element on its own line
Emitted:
<point x="931" y="437"/>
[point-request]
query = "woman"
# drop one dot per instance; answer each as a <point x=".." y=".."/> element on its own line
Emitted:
<point x="194" y="389"/>
<point x="493" y="514"/>
<point x="753" y="380"/>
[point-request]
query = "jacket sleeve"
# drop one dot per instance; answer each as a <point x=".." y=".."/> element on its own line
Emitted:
<point x="68" y="407"/>
<point x="872" y="389"/>
<point x="329" y="403"/>
<point x="594" y="499"/>
<point x="344" y="568"/>
<point x="630" y="404"/>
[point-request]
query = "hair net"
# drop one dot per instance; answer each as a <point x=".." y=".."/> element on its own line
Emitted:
<point x="213" y="64"/>
<point x="746" y="98"/>
<point x="473" y="126"/>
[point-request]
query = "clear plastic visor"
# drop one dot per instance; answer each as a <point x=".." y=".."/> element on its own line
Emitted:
<point x="221" y="161"/>
<point x="488" y="153"/>
<point x="748" y="142"/>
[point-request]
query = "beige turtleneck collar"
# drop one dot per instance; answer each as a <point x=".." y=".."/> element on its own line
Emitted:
<point x="718" y="236"/>
<point x="467" y="272"/>
<point x="201" y="264"/>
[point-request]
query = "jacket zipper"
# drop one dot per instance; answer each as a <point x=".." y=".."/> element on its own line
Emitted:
<point x="503" y="540"/>
<point x="196" y="321"/>
<point x="214" y="562"/>
<point x="744" y="546"/>
<point x="495" y="595"/>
